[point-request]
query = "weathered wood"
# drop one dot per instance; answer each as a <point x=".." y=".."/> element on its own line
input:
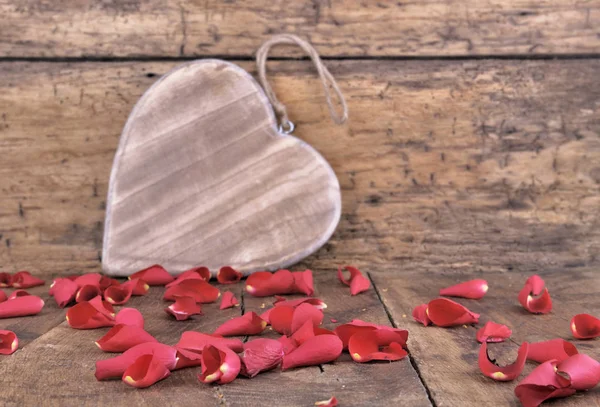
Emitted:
<point x="487" y="165"/>
<point x="447" y="357"/>
<point x="203" y="176"/>
<point x="156" y="28"/>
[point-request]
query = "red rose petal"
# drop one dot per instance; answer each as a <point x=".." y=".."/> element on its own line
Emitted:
<point x="420" y="315"/>
<point x="9" y="342"/>
<point x="5" y="280"/>
<point x="17" y="293"/>
<point x="263" y="283"/>
<point x="474" y="289"/>
<point x="138" y="286"/>
<point x="153" y="275"/>
<point x="21" y="306"/>
<point x="187" y="358"/>
<point x="122" y="337"/>
<point x="281" y="319"/>
<point x="130" y="316"/>
<point x="64" y="291"/>
<point x="506" y="373"/>
<point x="228" y="275"/>
<point x="555" y="349"/>
<point x="332" y="402"/>
<point x="87" y="292"/>
<point x="84" y="315"/>
<point x="102" y="306"/>
<point x="199" y="290"/>
<point x="118" y="294"/>
<point x="228" y="300"/>
<point x="145" y="371"/>
<point x="260" y="355"/>
<point x="357" y="282"/>
<point x="585" y="326"/>
<point x="115" y="367"/>
<point x="219" y="365"/>
<point x="583" y="371"/>
<point x="3" y="296"/>
<point x="542" y="384"/>
<point x="308" y="330"/>
<point x="183" y="308"/>
<point x="385" y="334"/>
<point x="24" y="279"/>
<point x="534" y="286"/>
<point x="493" y="332"/>
<point x="248" y="324"/>
<point x="288" y="344"/>
<point x="282" y="301"/>
<point x="106" y="282"/>
<point x="197" y="273"/>
<point x="316" y="350"/>
<point x="443" y="312"/>
<point x="303" y="282"/>
<point x="196" y="341"/>
<point x="305" y="312"/>
<point x="367" y="345"/>
<point x="88" y="279"/>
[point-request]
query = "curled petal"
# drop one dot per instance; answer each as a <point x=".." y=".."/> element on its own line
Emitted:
<point x="316" y="350"/>
<point x="367" y="345"/>
<point x="153" y="275"/>
<point x="21" y="306"/>
<point x="260" y="355"/>
<point x="3" y="296"/>
<point x="474" y="289"/>
<point x="9" y="342"/>
<point x="289" y="344"/>
<point x="84" y="315"/>
<point x="228" y="300"/>
<point x="88" y="279"/>
<point x="385" y="334"/>
<point x="87" y="292"/>
<point x="506" y="373"/>
<point x="585" y="326"/>
<point x="196" y="341"/>
<point x="420" y="314"/>
<point x="536" y="283"/>
<point x="145" y="371"/>
<point x="64" y="291"/>
<point x="444" y="312"/>
<point x="5" y="280"/>
<point x="582" y="370"/>
<point x="118" y="294"/>
<point x="303" y="282"/>
<point x="332" y="402"/>
<point x="103" y="307"/>
<point x="115" y="367"/>
<point x="138" y="286"/>
<point x="228" y="275"/>
<point x="316" y="302"/>
<point x="534" y="297"/>
<point x="308" y="330"/>
<point x="24" y="279"/>
<point x="263" y="283"/>
<point x="130" y="316"/>
<point x="542" y="384"/>
<point x="197" y="273"/>
<point x="248" y="324"/>
<point x="493" y="332"/>
<point x="122" y="337"/>
<point x="219" y="365"/>
<point x="555" y="349"/>
<point x="199" y="290"/>
<point x="187" y="358"/>
<point x="106" y="282"/>
<point x="183" y="308"/>
<point x="305" y="312"/>
<point x="357" y="282"/>
<point x="17" y="293"/>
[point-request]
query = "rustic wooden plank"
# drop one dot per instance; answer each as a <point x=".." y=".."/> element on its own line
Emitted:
<point x="493" y="165"/>
<point x="447" y="358"/>
<point x="353" y="384"/>
<point x="338" y="28"/>
<point x="67" y="357"/>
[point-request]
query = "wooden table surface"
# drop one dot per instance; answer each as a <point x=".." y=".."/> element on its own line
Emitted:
<point x="472" y="151"/>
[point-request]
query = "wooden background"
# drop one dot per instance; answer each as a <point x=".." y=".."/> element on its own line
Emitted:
<point x="473" y="149"/>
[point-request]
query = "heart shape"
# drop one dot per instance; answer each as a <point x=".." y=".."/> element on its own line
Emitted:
<point x="203" y="177"/>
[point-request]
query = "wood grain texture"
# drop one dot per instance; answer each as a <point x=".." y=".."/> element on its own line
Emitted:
<point x="447" y="358"/>
<point x="203" y="177"/>
<point x="155" y="28"/>
<point x="485" y="165"/>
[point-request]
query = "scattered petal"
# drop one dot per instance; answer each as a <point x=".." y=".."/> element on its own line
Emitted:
<point x="138" y="286"/>
<point x="64" y="291"/>
<point x="263" y="283"/>
<point x="199" y="290"/>
<point x="367" y="345"/>
<point x="281" y="319"/>
<point x="106" y="282"/>
<point x="420" y="315"/>
<point x="316" y="350"/>
<point x="130" y="316"/>
<point x="305" y="312"/>
<point x="260" y="355"/>
<point x="332" y="402"/>
<point x="103" y="307"/>
<point x="542" y="384"/>
<point x="5" y="280"/>
<point x="385" y="334"/>
<point x="88" y="279"/>
<point x="228" y="275"/>
<point x="197" y="273"/>
<point x="84" y="315"/>
<point x="248" y="324"/>
<point x="536" y="283"/>
<point x="145" y="371"/>
<point x="183" y="308"/>
<point x="503" y="374"/>
<point x="282" y="301"/>
<point x="555" y="349"/>
<point x="288" y="344"/>
<point x="474" y="289"/>
<point x="87" y="292"/>
<point x="24" y="279"/>
<point x="582" y="370"/>
<point x="228" y="300"/>
<point x="219" y="365"/>
<point x="153" y="275"/>
<point x="303" y="282"/>
<point x="21" y="306"/>
<point x="196" y="341"/>
<point x="357" y="282"/>
<point x="9" y="342"/>
<point x="444" y="312"/>
<point x="122" y="337"/>
<point x="17" y="293"/>
<point x="534" y="297"/>
<point x="187" y="358"/>
<point x="493" y="332"/>
<point x="118" y="294"/>
<point x="585" y="326"/>
<point x="115" y="367"/>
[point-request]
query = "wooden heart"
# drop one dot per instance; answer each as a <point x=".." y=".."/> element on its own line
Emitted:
<point x="203" y="177"/>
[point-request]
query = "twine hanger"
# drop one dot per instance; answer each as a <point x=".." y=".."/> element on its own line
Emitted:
<point x="327" y="80"/>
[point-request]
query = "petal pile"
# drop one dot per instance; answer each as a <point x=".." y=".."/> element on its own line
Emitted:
<point x="9" y="342"/>
<point x="183" y="308"/>
<point x="474" y="289"/>
<point x="115" y="367"/>
<point x="286" y="319"/>
<point x="145" y="371"/>
<point x="248" y="324"/>
<point x="303" y="282"/>
<point x="228" y="275"/>
<point x="228" y="300"/>
<point x="503" y="374"/>
<point x="260" y="355"/>
<point x="122" y="337"/>
<point x="385" y="334"/>
<point x="153" y="275"/>
<point x="357" y="282"/>
<point x="493" y="332"/>
<point x="582" y="371"/>
<point x="196" y="341"/>
<point x="585" y="326"/>
<point x="219" y="364"/>
<point x="198" y="289"/>
<point x="554" y="349"/>
<point x="264" y="283"/>
<point x="444" y="312"/>
<point x="87" y="292"/>
<point x="24" y="279"/>
<point x="368" y="345"/>
<point x="21" y="306"/>
<point x="543" y="383"/>
<point x="196" y="273"/>
<point x="534" y="296"/>
<point x="316" y="350"/>
<point x="118" y="294"/>
<point x="90" y="314"/>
